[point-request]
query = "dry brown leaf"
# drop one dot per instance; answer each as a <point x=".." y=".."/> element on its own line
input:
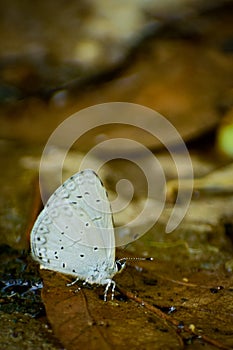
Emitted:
<point x="156" y="311"/>
<point x="82" y="320"/>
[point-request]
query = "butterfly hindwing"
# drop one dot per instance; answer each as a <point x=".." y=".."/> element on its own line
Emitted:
<point x="74" y="232"/>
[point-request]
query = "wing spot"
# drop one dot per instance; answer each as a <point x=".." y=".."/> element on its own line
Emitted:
<point x="63" y="265"/>
<point x="62" y="248"/>
<point x="82" y="255"/>
<point x="97" y="200"/>
<point x="74" y="202"/>
<point x="87" y="224"/>
<point x="79" y="196"/>
<point x="87" y="193"/>
<point x="95" y="248"/>
<point x="97" y="218"/>
<point x="73" y="270"/>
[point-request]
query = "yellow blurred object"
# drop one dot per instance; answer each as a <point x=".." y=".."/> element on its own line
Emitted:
<point x="225" y="135"/>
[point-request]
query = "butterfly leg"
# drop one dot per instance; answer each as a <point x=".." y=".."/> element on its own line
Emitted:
<point x="113" y="289"/>
<point x="72" y="283"/>
<point x="107" y="288"/>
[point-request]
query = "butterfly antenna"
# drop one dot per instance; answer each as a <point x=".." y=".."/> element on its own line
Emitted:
<point x="121" y="262"/>
<point x="130" y="258"/>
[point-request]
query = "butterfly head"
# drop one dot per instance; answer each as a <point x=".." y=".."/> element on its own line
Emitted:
<point x="120" y="264"/>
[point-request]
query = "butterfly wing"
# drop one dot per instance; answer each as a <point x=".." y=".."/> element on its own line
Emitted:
<point x="74" y="233"/>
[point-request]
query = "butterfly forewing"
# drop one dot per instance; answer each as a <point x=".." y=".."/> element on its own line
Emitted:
<point x="74" y="231"/>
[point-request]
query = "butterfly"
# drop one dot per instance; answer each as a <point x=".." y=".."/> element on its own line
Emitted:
<point x="74" y="233"/>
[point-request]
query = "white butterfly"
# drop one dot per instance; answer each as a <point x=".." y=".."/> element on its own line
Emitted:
<point x="74" y="233"/>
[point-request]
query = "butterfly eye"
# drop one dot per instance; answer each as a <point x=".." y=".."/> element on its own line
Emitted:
<point x="120" y="265"/>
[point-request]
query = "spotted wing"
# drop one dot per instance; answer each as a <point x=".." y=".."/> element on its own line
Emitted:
<point x="74" y="233"/>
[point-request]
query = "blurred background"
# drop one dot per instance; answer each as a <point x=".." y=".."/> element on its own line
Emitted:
<point x="57" y="58"/>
